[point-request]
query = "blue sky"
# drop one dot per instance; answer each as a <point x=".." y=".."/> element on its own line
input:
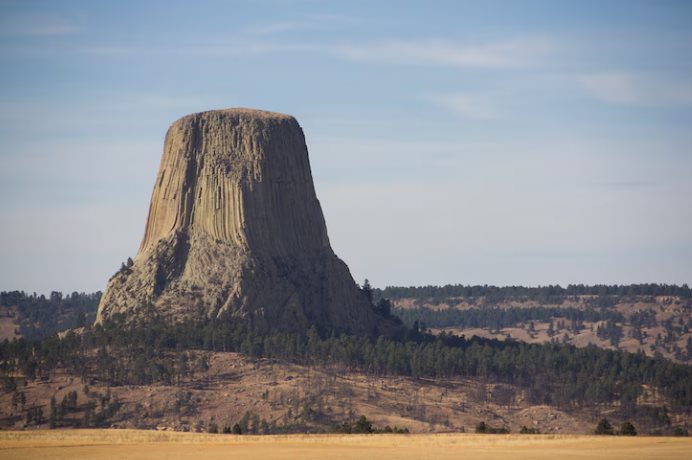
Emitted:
<point x="451" y="142"/>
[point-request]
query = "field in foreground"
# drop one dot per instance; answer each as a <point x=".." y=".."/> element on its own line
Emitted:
<point x="151" y="445"/>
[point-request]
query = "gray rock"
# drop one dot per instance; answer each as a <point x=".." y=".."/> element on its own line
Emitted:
<point x="235" y="230"/>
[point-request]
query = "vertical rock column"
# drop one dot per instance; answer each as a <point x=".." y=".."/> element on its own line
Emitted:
<point x="235" y="229"/>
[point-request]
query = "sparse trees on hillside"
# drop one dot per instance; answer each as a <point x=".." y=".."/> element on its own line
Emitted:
<point x="149" y="352"/>
<point x="498" y="318"/>
<point x="42" y="317"/>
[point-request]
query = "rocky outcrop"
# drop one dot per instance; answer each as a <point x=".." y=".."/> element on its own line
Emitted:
<point x="235" y="230"/>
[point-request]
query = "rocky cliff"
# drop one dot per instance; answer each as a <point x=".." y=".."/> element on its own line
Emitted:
<point x="235" y="230"/>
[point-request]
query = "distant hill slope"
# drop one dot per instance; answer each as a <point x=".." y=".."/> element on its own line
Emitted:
<point x="36" y="316"/>
<point x="268" y="396"/>
<point x="652" y="318"/>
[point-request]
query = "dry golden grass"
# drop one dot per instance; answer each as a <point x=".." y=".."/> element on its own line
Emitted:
<point x="134" y="444"/>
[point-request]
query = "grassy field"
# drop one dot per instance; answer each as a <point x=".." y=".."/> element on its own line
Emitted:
<point x="152" y="445"/>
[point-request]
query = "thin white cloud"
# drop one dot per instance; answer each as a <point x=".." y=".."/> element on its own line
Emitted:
<point x="518" y="52"/>
<point x="34" y="27"/>
<point x="625" y="88"/>
<point x="625" y="184"/>
<point x="280" y="27"/>
<point x="472" y="106"/>
<point x="316" y="22"/>
<point x="108" y="50"/>
<point x="496" y="55"/>
<point x="612" y="87"/>
<point x="235" y="47"/>
<point x="50" y="30"/>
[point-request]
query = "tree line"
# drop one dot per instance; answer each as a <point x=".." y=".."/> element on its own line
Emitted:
<point x="544" y="294"/>
<point x="499" y="318"/>
<point x="45" y="315"/>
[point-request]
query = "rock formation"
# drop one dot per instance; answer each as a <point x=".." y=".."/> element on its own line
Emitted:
<point x="235" y="230"/>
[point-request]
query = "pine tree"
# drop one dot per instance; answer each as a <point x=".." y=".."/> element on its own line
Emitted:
<point x="627" y="429"/>
<point x="53" y="420"/>
<point x="604" y="427"/>
<point x="481" y="427"/>
<point x="363" y="425"/>
<point x="367" y="290"/>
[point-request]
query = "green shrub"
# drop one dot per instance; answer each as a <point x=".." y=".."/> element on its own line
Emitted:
<point x="525" y="430"/>
<point x="604" y="427"/>
<point x="627" y="429"/>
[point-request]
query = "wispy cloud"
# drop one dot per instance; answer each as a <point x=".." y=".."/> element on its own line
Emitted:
<point x="50" y="30"/>
<point x="627" y="88"/>
<point x="518" y="52"/>
<point x="235" y="47"/>
<point x="37" y="28"/>
<point x="504" y="54"/>
<point x="280" y="27"/>
<point x="631" y="184"/>
<point x="468" y="105"/>
<point x="312" y="22"/>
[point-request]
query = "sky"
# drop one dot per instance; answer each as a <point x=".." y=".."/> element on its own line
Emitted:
<point x="473" y="142"/>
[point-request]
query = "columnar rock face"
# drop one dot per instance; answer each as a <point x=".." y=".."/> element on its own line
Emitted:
<point x="235" y="230"/>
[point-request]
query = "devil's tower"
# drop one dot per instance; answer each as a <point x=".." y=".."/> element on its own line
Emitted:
<point x="235" y="230"/>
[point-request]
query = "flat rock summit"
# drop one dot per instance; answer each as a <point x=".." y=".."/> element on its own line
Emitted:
<point x="235" y="230"/>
